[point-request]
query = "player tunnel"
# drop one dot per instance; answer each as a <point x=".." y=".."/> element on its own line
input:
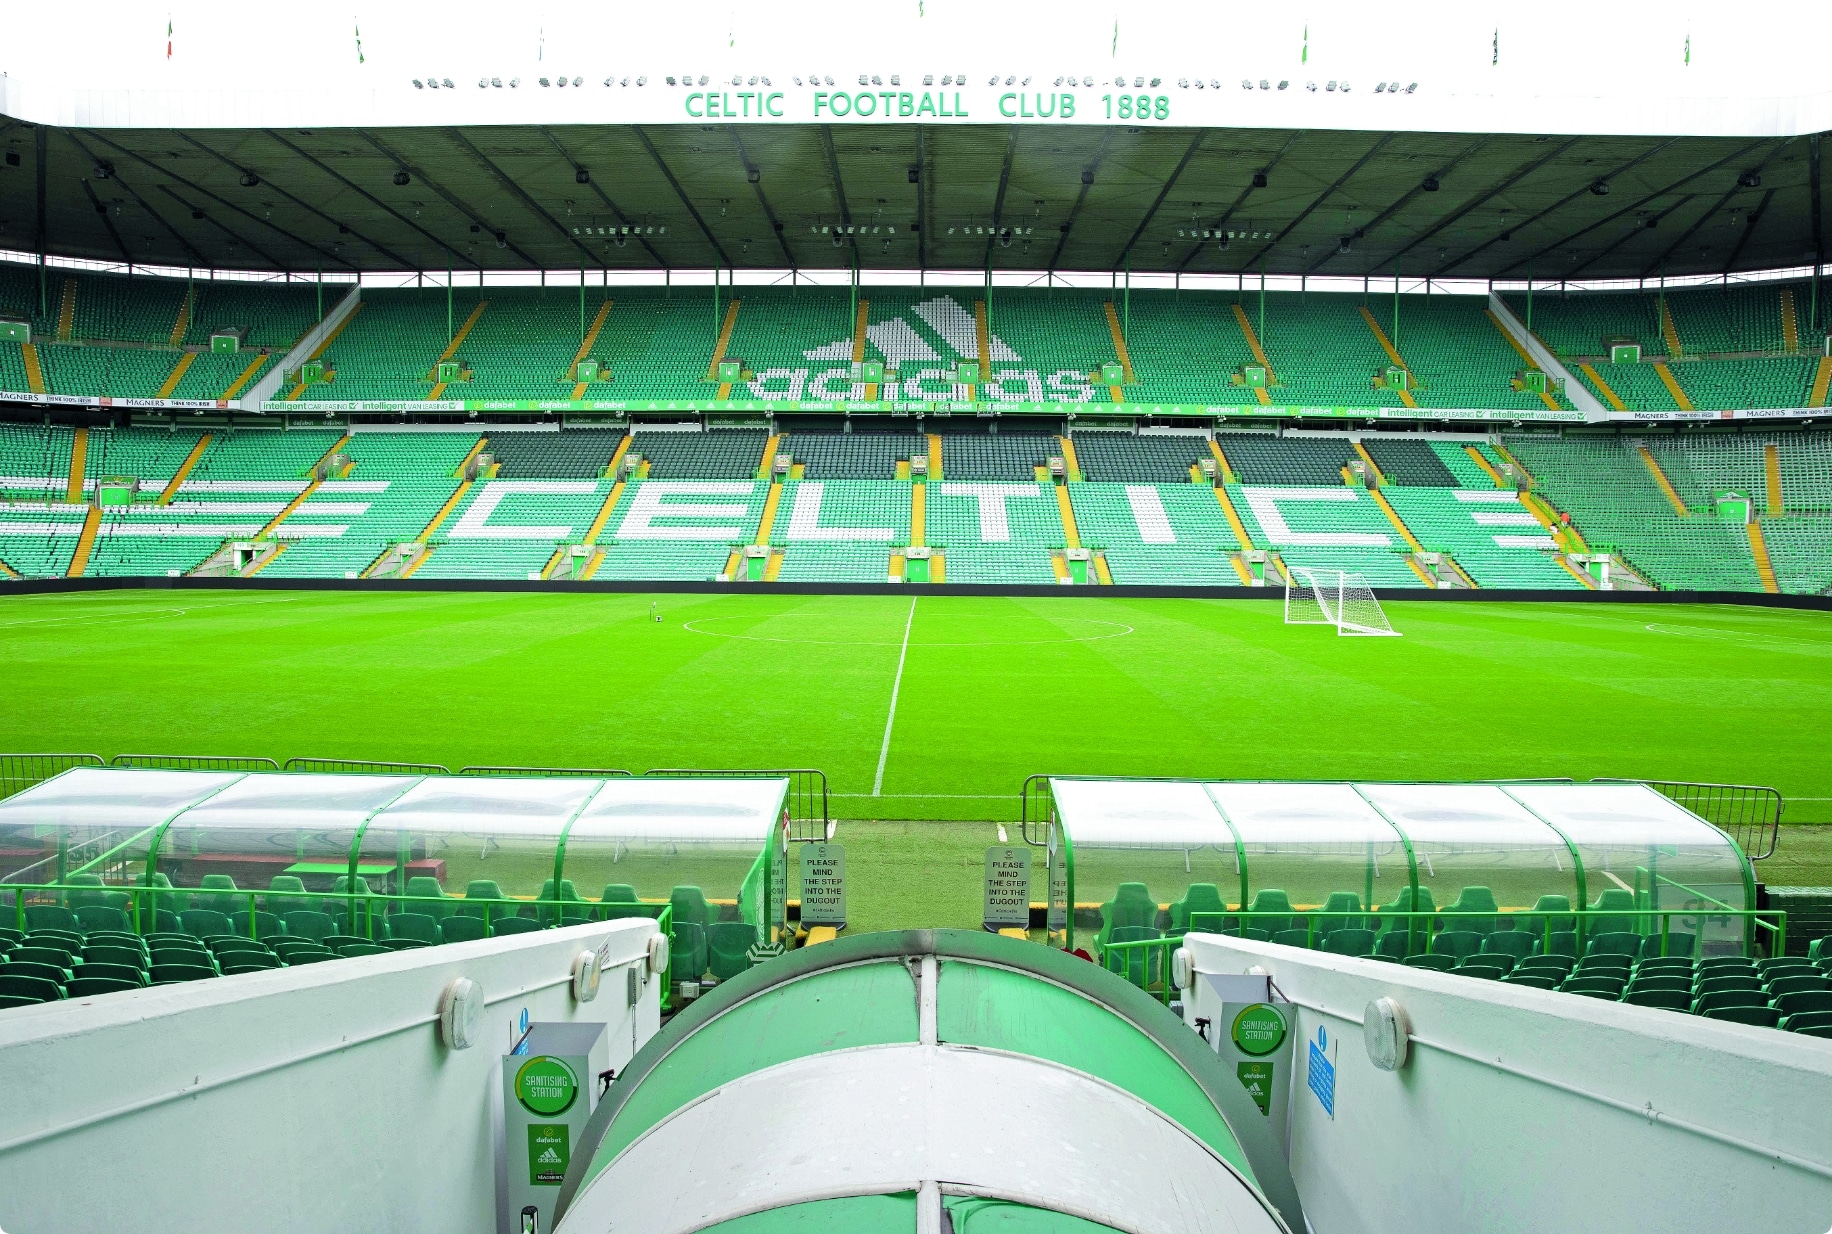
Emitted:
<point x="927" y="1081"/>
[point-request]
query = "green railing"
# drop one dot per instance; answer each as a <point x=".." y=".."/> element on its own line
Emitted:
<point x="1146" y="962"/>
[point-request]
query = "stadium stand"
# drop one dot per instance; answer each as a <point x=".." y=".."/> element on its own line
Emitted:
<point x="724" y="454"/>
<point x="1411" y="463"/>
<point x="1008" y="457"/>
<point x="1123" y="458"/>
<point x="1264" y="459"/>
<point x="851" y="456"/>
<point x="1168" y="534"/>
<point x="577" y="454"/>
<point x="994" y="531"/>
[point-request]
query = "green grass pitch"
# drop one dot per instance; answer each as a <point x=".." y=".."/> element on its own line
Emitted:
<point x="991" y="690"/>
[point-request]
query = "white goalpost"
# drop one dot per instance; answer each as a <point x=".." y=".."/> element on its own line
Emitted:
<point x="1335" y="598"/>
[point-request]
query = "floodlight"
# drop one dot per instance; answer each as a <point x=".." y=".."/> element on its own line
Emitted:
<point x="1600" y="188"/>
<point x="1311" y="86"/>
<point x="1059" y="83"/>
<point x="1088" y="82"/>
<point x="1120" y="82"/>
<point x="928" y="79"/>
<point x="1005" y="238"/>
<point x="582" y="176"/>
<point x="738" y="79"/>
<point x="402" y="179"/>
<point x="1412" y="87"/>
<point x="829" y="81"/>
<point x="418" y="84"/>
<point x="1222" y="242"/>
<point x="753" y="81"/>
<point x="670" y="80"/>
<point x="766" y="81"/>
<point x="447" y="83"/>
<point x="1345" y="87"/>
<point x="1380" y="87"/>
<point x="1264" y="84"/>
<point x="611" y="81"/>
<point x="863" y="81"/>
<point x="895" y="80"/>
<point x="993" y="81"/>
<point x="502" y="239"/>
<point x="1025" y="82"/>
<point x="876" y="80"/>
<point x="1214" y="84"/>
<point x="1750" y="180"/>
<point x="1431" y="184"/>
<point x="915" y="174"/>
<point x="250" y="180"/>
<point x="1138" y="83"/>
<point x="496" y="82"/>
<point x="703" y="80"/>
<point x="103" y="170"/>
<point x="514" y="82"/>
<point x="1283" y="84"/>
<point x="1199" y="84"/>
<point x="1393" y="87"/>
<point x="1259" y="179"/>
<point x="1330" y="86"/>
<point x="1010" y="80"/>
<point x="482" y="82"/>
<point x="544" y="81"/>
<point x="1342" y="245"/>
<point x="578" y="81"/>
<point x="1155" y="81"/>
<point x="947" y="79"/>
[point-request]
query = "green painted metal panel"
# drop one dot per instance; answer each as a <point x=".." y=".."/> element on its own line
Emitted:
<point x="858" y="1214"/>
<point x="871" y="1004"/>
<point x="1004" y="1010"/>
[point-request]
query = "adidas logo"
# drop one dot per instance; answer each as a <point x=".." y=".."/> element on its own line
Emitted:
<point x="924" y="353"/>
<point x="548" y="1158"/>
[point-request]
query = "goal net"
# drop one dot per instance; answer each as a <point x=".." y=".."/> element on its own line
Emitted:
<point x="1334" y="598"/>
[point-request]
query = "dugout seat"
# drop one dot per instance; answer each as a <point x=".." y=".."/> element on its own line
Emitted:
<point x="1517" y="944"/>
<point x="1678" y="943"/>
<point x="282" y="904"/>
<point x="1342" y="902"/>
<point x="728" y="945"/>
<point x="417" y="927"/>
<point x="427" y="887"/>
<point x="688" y="951"/>
<point x="513" y="925"/>
<point x="690" y="905"/>
<point x="461" y="929"/>
<point x="1273" y="900"/>
<point x="1457" y="944"/>
<point x="1131" y="906"/>
<point x="213" y="894"/>
<point x="1350" y="942"/>
<point x="1473" y="900"/>
<point x="203" y="922"/>
<point x="308" y="923"/>
<point x="50" y="917"/>
<point x="1197" y="898"/>
<point x="1617" y="943"/>
<point x="483" y="889"/>
<point x="266" y="925"/>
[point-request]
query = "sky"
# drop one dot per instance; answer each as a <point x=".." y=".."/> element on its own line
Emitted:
<point x="1573" y="47"/>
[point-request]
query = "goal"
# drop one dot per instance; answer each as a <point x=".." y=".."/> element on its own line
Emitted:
<point x="1334" y="598"/>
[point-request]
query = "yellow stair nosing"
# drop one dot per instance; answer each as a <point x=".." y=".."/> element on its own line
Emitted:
<point x="184" y="470"/>
<point x="177" y="374"/>
<point x="725" y="339"/>
<point x="1660" y="479"/>
<point x="1071" y="534"/>
<point x="79" y="464"/>
<point x="323" y="346"/>
<point x="1119" y="342"/>
<point x="982" y="331"/>
<point x="1671" y="382"/>
<point x="247" y="375"/>
<point x="85" y="544"/>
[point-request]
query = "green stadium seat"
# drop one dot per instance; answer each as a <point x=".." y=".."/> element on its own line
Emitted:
<point x="1350" y="942"/>
<point x="1728" y="981"/>
<point x="1628" y="945"/>
<point x="83" y="899"/>
<point x="567" y="915"/>
<point x="164" y="974"/>
<point x="618" y="893"/>
<point x="484" y="889"/>
<point x="514" y="925"/>
<point x="58" y="973"/>
<point x="1761" y="1017"/>
<point x="337" y="942"/>
<point x="1543" y="963"/>
<point x="114" y="938"/>
<point x="404" y="944"/>
<point x="429" y="888"/>
<point x="95" y="954"/>
<point x="1457" y="944"/>
<point x="158" y="901"/>
<point x="1140" y="966"/>
<point x="1266" y="900"/>
<point x="690" y="905"/>
<point x="224" y="946"/>
<point x="309" y="923"/>
<point x="265" y="925"/>
<point x="1727" y="964"/>
<point x="1664" y="964"/>
<point x="360" y="948"/>
<point x="1342" y="902"/>
<point x="1604" y="987"/>
<point x="9" y="935"/>
<point x="115" y="972"/>
<point x="1473" y="900"/>
<point x="1480" y="966"/>
<point x="51" y="917"/>
<point x="1394" y="945"/>
<point x="286" y="948"/>
<point x="1432" y="960"/>
<point x="687" y="951"/>
<point x="212" y="896"/>
<point x="1678" y="943"/>
<point x="1658" y="982"/>
<point x="34" y="989"/>
<point x="1403" y="903"/>
<point x="1197" y="898"/>
<point x="1613" y="910"/>
<point x="308" y="957"/>
<point x="1518" y="944"/>
<point x="1291" y="938"/>
<point x="204" y="922"/>
<point x="1816" y="1023"/>
<point x="1790" y="965"/>
<point x="282" y="904"/>
<point x="1532" y="980"/>
<point x="728" y="944"/>
<point x="89" y="987"/>
<point x="1706" y="1000"/>
<point x="248" y="962"/>
<point x="30" y="952"/>
<point x="461" y="929"/>
<point x="1130" y="906"/>
<point x="1791" y="984"/>
<point x="1794" y="1002"/>
<point x="1666" y="1000"/>
<point x="624" y="911"/>
<point x="417" y="927"/>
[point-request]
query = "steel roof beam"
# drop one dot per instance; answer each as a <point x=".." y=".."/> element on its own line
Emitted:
<point x="1320" y="199"/>
<point x="332" y="172"/>
<point x="1405" y="199"/>
<point x="1481" y="199"/>
<point x="1632" y="206"/>
<point x="680" y="193"/>
<point x="1087" y="182"/>
<point x="1711" y="213"/>
<point x="223" y="227"/>
<point x="520" y="193"/>
<point x="754" y="175"/>
<point x="106" y="221"/>
<point x="342" y="228"/>
<point x="445" y="194"/>
<point x="998" y="201"/>
<point x="1170" y="182"/>
<point x="839" y="185"/>
<point x="1749" y="228"/>
<point x="301" y="241"/>
<point x="1222" y="222"/>
<point x="598" y="189"/>
<point x="145" y="205"/>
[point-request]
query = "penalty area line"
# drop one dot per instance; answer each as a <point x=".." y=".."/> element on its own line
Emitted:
<point x="884" y="751"/>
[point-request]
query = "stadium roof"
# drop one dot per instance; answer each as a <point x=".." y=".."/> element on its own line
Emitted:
<point x="1018" y="196"/>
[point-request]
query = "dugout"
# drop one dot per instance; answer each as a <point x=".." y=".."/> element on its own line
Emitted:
<point x="400" y="860"/>
<point x="1396" y="870"/>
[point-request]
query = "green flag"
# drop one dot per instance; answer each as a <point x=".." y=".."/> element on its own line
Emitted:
<point x="1495" y="48"/>
<point x="359" y="40"/>
<point x="1688" y="49"/>
<point x="1116" y="36"/>
<point x="1304" y="56"/>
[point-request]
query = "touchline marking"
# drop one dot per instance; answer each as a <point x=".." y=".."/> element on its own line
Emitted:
<point x="884" y="751"/>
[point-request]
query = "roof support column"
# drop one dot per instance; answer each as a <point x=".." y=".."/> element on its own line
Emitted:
<point x="43" y="236"/>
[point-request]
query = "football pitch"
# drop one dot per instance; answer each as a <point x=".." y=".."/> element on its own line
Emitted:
<point x="929" y="709"/>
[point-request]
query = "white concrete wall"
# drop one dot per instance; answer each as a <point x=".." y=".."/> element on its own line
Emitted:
<point x="317" y="1098"/>
<point x="1531" y="1110"/>
<point x="1576" y="392"/>
<point x="275" y="376"/>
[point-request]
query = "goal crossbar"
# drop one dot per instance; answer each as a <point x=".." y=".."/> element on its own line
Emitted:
<point x="1340" y="598"/>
